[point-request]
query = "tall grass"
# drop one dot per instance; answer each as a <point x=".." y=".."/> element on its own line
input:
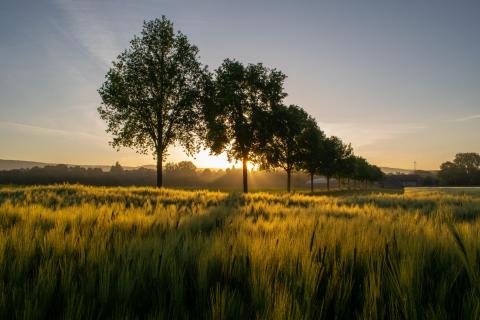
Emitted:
<point x="85" y="252"/>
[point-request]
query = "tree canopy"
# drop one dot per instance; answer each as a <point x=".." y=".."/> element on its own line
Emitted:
<point x="464" y="170"/>
<point x="288" y="129"/>
<point x="151" y="97"/>
<point x="334" y="155"/>
<point x="312" y="147"/>
<point x="363" y="171"/>
<point x="157" y="94"/>
<point x="241" y="98"/>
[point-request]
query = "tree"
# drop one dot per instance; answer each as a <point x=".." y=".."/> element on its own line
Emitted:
<point x="450" y="173"/>
<point x="288" y="129"/>
<point x="116" y="169"/>
<point x="375" y="174"/>
<point x="333" y="157"/>
<point x="152" y="94"/>
<point x="469" y="162"/>
<point x="346" y="167"/>
<point x="236" y="113"/>
<point x="366" y="172"/>
<point x="464" y="170"/>
<point x="360" y="169"/>
<point x="312" y="149"/>
<point x="182" y="168"/>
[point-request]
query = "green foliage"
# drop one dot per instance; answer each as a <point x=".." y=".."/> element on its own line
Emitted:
<point x="312" y="150"/>
<point x="288" y="128"/>
<point x="157" y="94"/>
<point x="363" y="171"/>
<point x="335" y="155"/>
<point x="86" y="252"/>
<point x="237" y="113"/>
<point x="464" y="170"/>
<point x="152" y="95"/>
<point x="187" y="167"/>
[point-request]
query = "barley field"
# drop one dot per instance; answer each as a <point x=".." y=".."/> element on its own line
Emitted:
<point x="78" y="252"/>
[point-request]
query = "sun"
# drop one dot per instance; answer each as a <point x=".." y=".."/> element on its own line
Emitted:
<point x="205" y="160"/>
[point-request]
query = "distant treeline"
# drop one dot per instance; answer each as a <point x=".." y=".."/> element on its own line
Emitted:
<point x="183" y="174"/>
<point x="463" y="171"/>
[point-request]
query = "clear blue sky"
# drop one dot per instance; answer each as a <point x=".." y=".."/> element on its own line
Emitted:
<point x="400" y="80"/>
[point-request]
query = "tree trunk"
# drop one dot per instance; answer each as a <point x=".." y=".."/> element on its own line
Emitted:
<point x="289" y="179"/>
<point x="328" y="183"/>
<point x="311" y="182"/>
<point x="159" y="169"/>
<point x="245" y="173"/>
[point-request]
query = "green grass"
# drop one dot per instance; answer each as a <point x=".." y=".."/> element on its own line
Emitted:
<point x="86" y="252"/>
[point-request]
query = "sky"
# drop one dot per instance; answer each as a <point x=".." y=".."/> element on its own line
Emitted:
<point x="399" y="80"/>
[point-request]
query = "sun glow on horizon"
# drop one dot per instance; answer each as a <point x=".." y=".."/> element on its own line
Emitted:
<point x="205" y="160"/>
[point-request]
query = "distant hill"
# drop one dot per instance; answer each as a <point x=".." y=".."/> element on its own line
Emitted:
<point x="21" y="164"/>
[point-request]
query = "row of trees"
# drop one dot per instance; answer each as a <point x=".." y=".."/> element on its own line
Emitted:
<point x="157" y="93"/>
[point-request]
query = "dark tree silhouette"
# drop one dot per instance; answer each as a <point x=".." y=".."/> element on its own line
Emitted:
<point x="375" y="174"/>
<point x="464" y="170"/>
<point x="152" y="94"/>
<point x="312" y="151"/>
<point x="333" y="157"/>
<point x="345" y="170"/>
<point x="289" y="128"/>
<point x="117" y="168"/>
<point x="365" y="172"/>
<point x="360" y="170"/>
<point x="237" y="112"/>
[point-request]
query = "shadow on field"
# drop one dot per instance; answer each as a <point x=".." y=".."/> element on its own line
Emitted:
<point x="354" y="192"/>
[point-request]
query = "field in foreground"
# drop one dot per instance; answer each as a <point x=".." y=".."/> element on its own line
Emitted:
<point x="85" y="252"/>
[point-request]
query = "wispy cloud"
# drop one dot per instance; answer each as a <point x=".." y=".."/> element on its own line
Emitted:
<point x="472" y="117"/>
<point x="49" y="131"/>
<point x="90" y="30"/>
<point x="363" y="134"/>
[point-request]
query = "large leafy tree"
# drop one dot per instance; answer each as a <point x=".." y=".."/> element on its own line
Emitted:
<point x="288" y="128"/>
<point x="464" y="170"/>
<point x="333" y="158"/>
<point x="312" y="149"/>
<point x="152" y="94"/>
<point x="468" y="161"/>
<point x="237" y="113"/>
